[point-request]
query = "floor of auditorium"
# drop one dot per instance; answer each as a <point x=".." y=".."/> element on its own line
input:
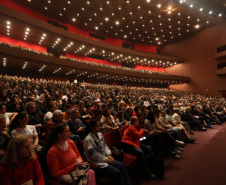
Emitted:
<point x="201" y="163"/>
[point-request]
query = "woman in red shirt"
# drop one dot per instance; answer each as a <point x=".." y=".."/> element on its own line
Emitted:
<point x="20" y="164"/>
<point x="62" y="154"/>
<point x="132" y="136"/>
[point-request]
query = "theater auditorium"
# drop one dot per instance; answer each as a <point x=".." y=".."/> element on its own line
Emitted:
<point x="112" y="92"/>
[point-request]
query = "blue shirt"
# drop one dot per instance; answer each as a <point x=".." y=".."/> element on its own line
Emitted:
<point x="75" y="126"/>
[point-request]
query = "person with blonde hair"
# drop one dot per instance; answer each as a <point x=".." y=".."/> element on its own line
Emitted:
<point x="20" y="164"/>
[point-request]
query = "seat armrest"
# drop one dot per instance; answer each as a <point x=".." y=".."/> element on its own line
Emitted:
<point x="126" y="147"/>
<point x="50" y="180"/>
<point x="92" y="165"/>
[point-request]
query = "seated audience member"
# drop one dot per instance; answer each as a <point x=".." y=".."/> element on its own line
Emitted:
<point x="132" y="136"/>
<point x="108" y="120"/>
<point x="4" y="136"/>
<point x="14" y="106"/>
<point x="75" y="124"/>
<point x="121" y="106"/>
<point x="37" y="104"/>
<point x="128" y="114"/>
<point x="57" y="146"/>
<point x="66" y="113"/>
<point x="34" y="118"/>
<point x="94" y="107"/>
<point x="47" y="104"/>
<point x="176" y="118"/>
<point x="183" y="129"/>
<point x="110" y="104"/>
<point x="58" y="100"/>
<point x="84" y="115"/>
<point x="64" y="104"/>
<point x="103" y="106"/>
<point x="87" y="105"/>
<point x="20" y="165"/>
<point x="208" y="112"/>
<point x="130" y="105"/>
<point x="20" y="126"/>
<point x="115" y="109"/>
<point x="136" y="110"/>
<point x="97" y="151"/>
<point x="56" y="119"/>
<point x="146" y="102"/>
<point x="154" y="140"/>
<point x="49" y="114"/>
<point x="9" y="116"/>
<point x="120" y="119"/>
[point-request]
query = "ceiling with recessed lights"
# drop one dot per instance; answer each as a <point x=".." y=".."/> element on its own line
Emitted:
<point x="153" y="22"/>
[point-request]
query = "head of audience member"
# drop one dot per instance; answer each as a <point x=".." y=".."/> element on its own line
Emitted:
<point x="68" y="108"/>
<point x="115" y="105"/>
<point x="134" y="121"/>
<point x="2" y="108"/>
<point x="94" y="127"/>
<point x="157" y="113"/>
<point x="97" y="114"/>
<point x="137" y="109"/>
<point x="61" y="133"/>
<point x="129" y="111"/>
<point x="103" y="106"/>
<point x="52" y="107"/>
<point x="140" y="117"/>
<point x="163" y="114"/>
<point x="58" y="96"/>
<point x="120" y="114"/>
<point x="30" y="107"/>
<point x="169" y="112"/>
<point x="19" y="148"/>
<point x="58" y="116"/>
<point x="81" y="105"/>
<point x="177" y="111"/>
<point x="49" y="100"/>
<point x="96" y="103"/>
<point x="74" y="114"/>
<point x="106" y="113"/>
<point x="64" y="102"/>
<point x="21" y="120"/>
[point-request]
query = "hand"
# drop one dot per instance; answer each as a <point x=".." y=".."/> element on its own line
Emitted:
<point x="78" y="162"/>
<point x="80" y="129"/>
<point x="35" y="147"/>
<point x="5" y="134"/>
<point x="110" y="159"/>
<point x="152" y="132"/>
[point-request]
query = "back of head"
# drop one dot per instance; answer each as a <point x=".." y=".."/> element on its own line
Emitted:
<point x="15" y="123"/>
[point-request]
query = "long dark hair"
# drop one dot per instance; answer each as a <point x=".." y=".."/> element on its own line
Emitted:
<point x="53" y="136"/>
<point x="92" y="123"/>
<point x="15" y="123"/>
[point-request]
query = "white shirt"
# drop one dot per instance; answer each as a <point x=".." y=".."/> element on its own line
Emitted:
<point x="146" y="103"/>
<point x="28" y="130"/>
<point x="8" y="115"/>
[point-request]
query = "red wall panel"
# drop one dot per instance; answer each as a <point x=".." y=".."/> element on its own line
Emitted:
<point x="160" y="69"/>
<point x="45" y="18"/>
<point x="26" y="44"/>
<point x="70" y="55"/>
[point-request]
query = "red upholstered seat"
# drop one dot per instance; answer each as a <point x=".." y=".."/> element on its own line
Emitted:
<point x="115" y="117"/>
<point x="120" y="132"/>
<point x="111" y="140"/>
<point x="87" y="122"/>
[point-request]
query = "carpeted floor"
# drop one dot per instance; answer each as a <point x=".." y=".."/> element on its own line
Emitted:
<point x="202" y="163"/>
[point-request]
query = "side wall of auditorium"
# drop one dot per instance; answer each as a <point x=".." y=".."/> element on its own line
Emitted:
<point x="198" y="51"/>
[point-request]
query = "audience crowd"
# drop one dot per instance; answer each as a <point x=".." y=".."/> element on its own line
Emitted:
<point x="45" y="120"/>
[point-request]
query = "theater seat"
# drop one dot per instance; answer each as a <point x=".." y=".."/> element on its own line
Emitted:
<point x="111" y="140"/>
<point x="87" y="122"/>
